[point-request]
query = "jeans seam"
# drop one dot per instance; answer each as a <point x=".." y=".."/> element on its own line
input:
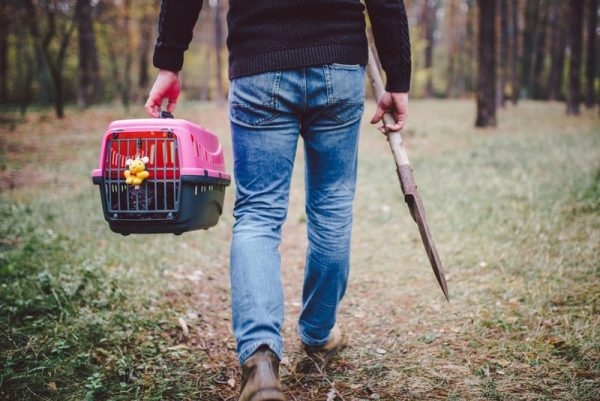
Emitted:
<point x="328" y="85"/>
<point x="234" y="115"/>
<point x="304" y="90"/>
<point x="275" y="90"/>
<point x="351" y="119"/>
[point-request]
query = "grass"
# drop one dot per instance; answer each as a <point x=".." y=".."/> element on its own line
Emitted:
<point x="89" y="315"/>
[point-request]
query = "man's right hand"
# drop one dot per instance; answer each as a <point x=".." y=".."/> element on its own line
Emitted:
<point x="395" y="103"/>
<point x="167" y="86"/>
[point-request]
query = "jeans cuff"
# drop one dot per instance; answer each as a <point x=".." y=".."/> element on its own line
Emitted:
<point x="309" y="341"/>
<point x="250" y="348"/>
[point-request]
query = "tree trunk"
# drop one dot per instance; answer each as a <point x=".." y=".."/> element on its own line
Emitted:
<point x="25" y="72"/>
<point x="147" y="28"/>
<point x="88" y="55"/>
<point x="126" y="88"/>
<point x="503" y="62"/>
<point x="24" y="64"/>
<point x="462" y="54"/>
<point x="146" y="39"/>
<point x="486" y="86"/>
<point x="427" y="15"/>
<point x="515" y="52"/>
<point x="539" y="83"/>
<point x="590" y="70"/>
<point x="468" y="68"/>
<point x="4" y="32"/>
<point x="451" y="70"/>
<point x="576" y="37"/>
<point x="54" y="63"/>
<point x="529" y="46"/>
<point x="220" y="97"/>
<point x="59" y="107"/>
<point x="559" y="42"/>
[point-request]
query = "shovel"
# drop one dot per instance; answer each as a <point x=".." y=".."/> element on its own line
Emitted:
<point x="407" y="180"/>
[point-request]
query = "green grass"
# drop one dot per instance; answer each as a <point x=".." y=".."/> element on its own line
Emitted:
<point x="89" y="315"/>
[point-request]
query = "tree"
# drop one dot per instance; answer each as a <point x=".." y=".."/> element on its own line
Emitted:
<point x="57" y="35"/>
<point x="452" y="49"/>
<point x="576" y="36"/>
<point x="23" y="64"/>
<point x="120" y="51"/>
<point x="217" y="7"/>
<point x="4" y="32"/>
<point x="530" y="37"/>
<point x="558" y="44"/>
<point x="514" y="52"/>
<point x="468" y="67"/>
<point x="147" y="27"/>
<point x="427" y="19"/>
<point x="590" y="65"/>
<point x="89" y="68"/>
<point x="503" y="62"/>
<point x="539" y="83"/>
<point x="486" y="85"/>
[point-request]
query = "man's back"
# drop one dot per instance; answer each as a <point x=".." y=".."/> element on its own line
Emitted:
<point x="295" y="33"/>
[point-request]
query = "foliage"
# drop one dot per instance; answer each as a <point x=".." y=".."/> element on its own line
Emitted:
<point x="125" y="32"/>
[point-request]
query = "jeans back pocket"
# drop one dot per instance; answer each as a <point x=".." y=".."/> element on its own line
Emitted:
<point x="253" y="98"/>
<point x="345" y="91"/>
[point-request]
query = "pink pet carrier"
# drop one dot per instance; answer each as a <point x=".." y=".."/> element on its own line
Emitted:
<point x="160" y="176"/>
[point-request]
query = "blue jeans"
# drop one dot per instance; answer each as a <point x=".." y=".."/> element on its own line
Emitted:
<point x="268" y="112"/>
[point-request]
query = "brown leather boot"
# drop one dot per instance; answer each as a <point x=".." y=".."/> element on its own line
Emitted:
<point x="260" y="377"/>
<point x="318" y="357"/>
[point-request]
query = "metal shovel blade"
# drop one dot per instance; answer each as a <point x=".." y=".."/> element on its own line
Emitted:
<point x="407" y="181"/>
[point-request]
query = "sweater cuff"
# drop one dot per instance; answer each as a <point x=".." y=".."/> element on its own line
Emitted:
<point x="399" y="83"/>
<point x="168" y="58"/>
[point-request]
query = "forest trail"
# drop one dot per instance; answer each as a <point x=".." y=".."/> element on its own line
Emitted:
<point x="514" y="212"/>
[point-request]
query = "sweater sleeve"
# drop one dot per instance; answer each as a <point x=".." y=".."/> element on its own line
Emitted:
<point x="175" y="30"/>
<point x="390" y="29"/>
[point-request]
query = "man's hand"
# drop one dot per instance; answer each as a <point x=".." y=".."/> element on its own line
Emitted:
<point x="167" y="86"/>
<point x="397" y="105"/>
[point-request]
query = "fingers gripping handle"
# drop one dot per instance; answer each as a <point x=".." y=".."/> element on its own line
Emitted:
<point x="394" y="137"/>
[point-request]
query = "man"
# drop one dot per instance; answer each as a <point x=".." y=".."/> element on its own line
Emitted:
<point x="296" y="68"/>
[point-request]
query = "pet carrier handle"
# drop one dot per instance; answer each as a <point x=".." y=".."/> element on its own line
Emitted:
<point x="166" y="114"/>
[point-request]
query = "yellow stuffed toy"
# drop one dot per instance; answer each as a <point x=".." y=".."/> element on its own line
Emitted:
<point x="136" y="174"/>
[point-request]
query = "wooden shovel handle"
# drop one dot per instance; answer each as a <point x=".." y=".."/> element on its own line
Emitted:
<point x="394" y="137"/>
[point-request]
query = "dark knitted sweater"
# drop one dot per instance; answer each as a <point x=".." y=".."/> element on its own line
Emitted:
<point x="266" y="35"/>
